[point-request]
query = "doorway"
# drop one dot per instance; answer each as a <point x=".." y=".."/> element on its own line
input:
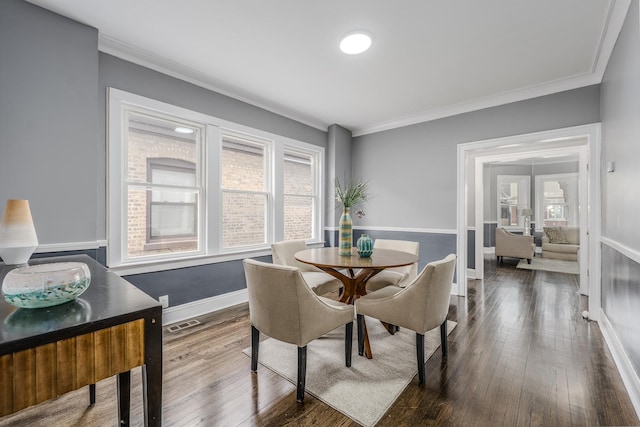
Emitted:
<point x="581" y="141"/>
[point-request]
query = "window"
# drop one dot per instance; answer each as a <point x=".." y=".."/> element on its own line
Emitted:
<point x="162" y="186"/>
<point x="557" y="200"/>
<point x="300" y="194"/>
<point x="172" y="217"/>
<point x="184" y="186"/>
<point x="244" y="191"/>
<point x="513" y="197"/>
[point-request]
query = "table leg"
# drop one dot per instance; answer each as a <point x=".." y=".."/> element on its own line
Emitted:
<point x="152" y="370"/>
<point x="92" y="394"/>
<point x="124" y="397"/>
<point x="367" y="344"/>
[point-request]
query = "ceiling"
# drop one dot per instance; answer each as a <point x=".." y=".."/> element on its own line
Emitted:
<point x="429" y="59"/>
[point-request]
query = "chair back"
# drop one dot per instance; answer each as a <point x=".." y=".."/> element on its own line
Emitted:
<point x="426" y="299"/>
<point x="281" y="304"/>
<point x="283" y="253"/>
<point x="404" y="246"/>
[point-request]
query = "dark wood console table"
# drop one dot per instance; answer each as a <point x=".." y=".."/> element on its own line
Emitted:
<point x="108" y="330"/>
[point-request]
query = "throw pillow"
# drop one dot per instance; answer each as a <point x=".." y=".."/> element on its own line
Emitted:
<point x="555" y="235"/>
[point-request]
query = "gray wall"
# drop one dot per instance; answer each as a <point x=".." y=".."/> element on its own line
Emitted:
<point x="53" y="139"/>
<point x="412" y="170"/>
<point x="620" y="196"/>
<point x="338" y="165"/>
<point x="49" y="120"/>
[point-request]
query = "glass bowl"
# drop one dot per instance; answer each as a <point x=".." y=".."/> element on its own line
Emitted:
<point x="45" y="285"/>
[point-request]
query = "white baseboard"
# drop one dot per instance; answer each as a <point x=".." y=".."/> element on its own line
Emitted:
<point x="204" y="306"/>
<point x="471" y="273"/>
<point x="489" y="250"/>
<point x="627" y="372"/>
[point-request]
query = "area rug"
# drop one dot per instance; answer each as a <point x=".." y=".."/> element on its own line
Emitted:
<point x="366" y="390"/>
<point x="554" y="265"/>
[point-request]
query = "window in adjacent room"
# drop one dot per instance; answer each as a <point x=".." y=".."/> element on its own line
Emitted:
<point x="513" y="196"/>
<point x="557" y="200"/>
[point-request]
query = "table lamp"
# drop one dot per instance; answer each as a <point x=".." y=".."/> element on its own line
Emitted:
<point x="18" y="237"/>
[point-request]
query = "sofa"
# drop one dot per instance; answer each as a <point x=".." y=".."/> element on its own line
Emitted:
<point x="561" y="243"/>
<point x="513" y="245"/>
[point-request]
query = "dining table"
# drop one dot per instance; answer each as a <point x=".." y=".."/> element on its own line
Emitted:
<point x="354" y="271"/>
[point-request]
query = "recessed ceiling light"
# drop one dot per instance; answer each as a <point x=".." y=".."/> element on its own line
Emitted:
<point x="183" y="130"/>
<point x="355" y="42"/>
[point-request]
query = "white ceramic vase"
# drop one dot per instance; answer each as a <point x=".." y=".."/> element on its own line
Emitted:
<point x="18" y="237"/>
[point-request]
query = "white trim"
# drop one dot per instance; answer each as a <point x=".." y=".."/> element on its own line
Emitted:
<point x="624" y="365"/>
<point x="615" y="20"/>
<point x="482" y="103"/>
<point x="405" y="229"/>
<point x="70" y="246"/>
<point x="163" y="265"/>
<point x="471" y="273"/>
<point x="154" y="62"/>
<point x="630" y="253"/>
<point x="489" y="250"/>
<point x="201" y="307"/>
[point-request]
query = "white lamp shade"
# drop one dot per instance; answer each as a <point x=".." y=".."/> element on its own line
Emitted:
<point x="18" y="237"/>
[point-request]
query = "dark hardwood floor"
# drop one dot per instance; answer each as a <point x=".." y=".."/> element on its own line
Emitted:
<point x="521" y="355"/>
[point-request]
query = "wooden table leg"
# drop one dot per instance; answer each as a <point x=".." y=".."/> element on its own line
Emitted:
<point x="124" y="397"/>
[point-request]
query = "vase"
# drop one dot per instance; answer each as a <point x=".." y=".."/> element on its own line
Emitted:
<point x="45" y="285"/>
<point x="18" y="237"/>
<point x="365" y="246"/>
<point x="346" y="234"/>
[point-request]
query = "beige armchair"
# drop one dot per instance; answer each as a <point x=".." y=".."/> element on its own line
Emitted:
<point x="282" y="306"/>
<point x="283" y="253"/>
<point x="399" y="276"/>
<point x="513" y="245"/>
<point x="420" y="306"/>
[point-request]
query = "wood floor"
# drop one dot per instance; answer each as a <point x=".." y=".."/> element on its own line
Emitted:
<point x="521" y="355"/>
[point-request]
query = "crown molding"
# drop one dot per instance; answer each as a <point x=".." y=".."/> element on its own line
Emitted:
<point x="615" y="19"/>
<point x="119" y="49"/>
<point x="613" y="25"/>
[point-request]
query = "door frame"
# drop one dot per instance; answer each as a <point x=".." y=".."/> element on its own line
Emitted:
<point x="582" y="139"/>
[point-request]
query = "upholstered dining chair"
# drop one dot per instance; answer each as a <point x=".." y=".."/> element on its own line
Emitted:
<point x="282" y="306"/>
<point x="283" y="253"/>
<point x="399" y="276"/>
<point x="420" y="306"/>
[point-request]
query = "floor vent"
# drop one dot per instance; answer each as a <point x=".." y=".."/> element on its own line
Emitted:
<point x="184" y="325"/>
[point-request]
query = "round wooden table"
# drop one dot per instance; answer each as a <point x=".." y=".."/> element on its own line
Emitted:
<point x="359" y="270"/>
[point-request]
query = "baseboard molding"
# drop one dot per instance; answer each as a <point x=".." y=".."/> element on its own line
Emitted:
<point x="627" y="372"/>
<point x="204" y="306"/>
<point x="471" y="273"/>
<point x="489" y="250"/>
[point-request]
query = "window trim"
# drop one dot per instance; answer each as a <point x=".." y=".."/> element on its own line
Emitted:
<point x="212" y="130"/>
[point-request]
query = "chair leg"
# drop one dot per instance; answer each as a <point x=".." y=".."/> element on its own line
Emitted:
<point x="443" y="338"/>
<point x="360" y="319"/>
<point x="302" y="373"/>
<point x="255" y="344"/>
<point x="420" y="354"/>
<point x="348" y="343"/>
<point x="529" y="261"/>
